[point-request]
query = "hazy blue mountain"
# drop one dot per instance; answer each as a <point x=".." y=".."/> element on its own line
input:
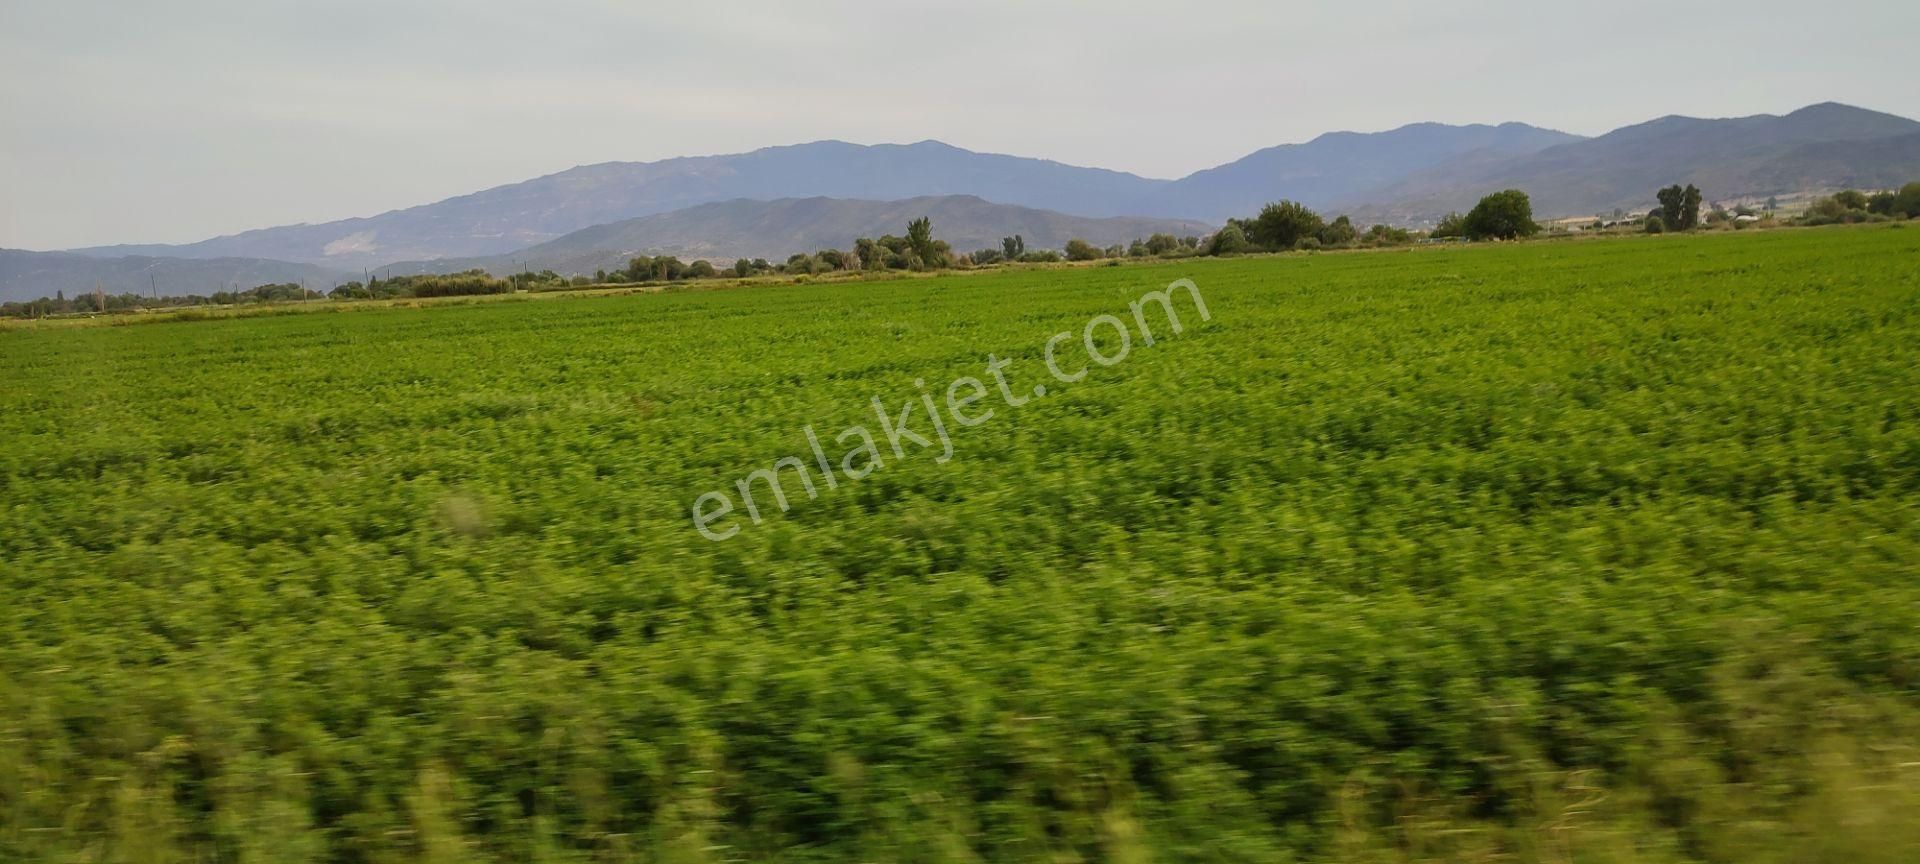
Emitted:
<point x="775" y="229"/>
<point x="1819" y="147"/>
<point x="1876" y="163"/>
<point x="30" y="275"/>
<point x="1342" y="166"/>
<point x="518" y="215"/>
<point x="515" y="216"/>
<point x="1406" y="175"/>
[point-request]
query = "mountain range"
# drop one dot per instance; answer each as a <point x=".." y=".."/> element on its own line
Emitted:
<point x="1346" y="168"/>
<point x="1820" y="147"/>
<point x="1409" y="176"/>
<point x="745" y="228"/>
<point x="506" y="218"/>
<point x="1329" y="169"/>
<point x="25" y="275"/>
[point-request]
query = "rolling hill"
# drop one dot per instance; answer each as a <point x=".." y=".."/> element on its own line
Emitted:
<point x="519" y="215"/>
<point x="1816" y="148"/>
<point x="1407" y="175"/>
<point x="774" y="229"/>
<point x="506" y="218"/>
<point x="1340" y="166"/>
<point x="29" y="275"/>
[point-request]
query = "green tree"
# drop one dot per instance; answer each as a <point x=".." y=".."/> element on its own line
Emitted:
<point x="871" y="255"/>
<point x="1386" y="235"/>
<point x="920" y="239"/>
<point x="1339" y="232"/>
<point x="1230" y="240"/>
<point x="1504" y="215"/>
<point x="1851" y="199"/>
<point x="1671" y="199"/>
<point x="1906" y="202"/>
<point x="1680" y="207"/>
<point x="1450" y="225"/>
<point x="1080" y="250"/>
<point x="1161" y="244"/>
<point x="1282" y="224"/>
<point x="1826" y="210"/>
<point x="1013" y="247"/>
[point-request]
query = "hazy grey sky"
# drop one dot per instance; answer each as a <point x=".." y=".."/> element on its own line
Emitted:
<point x="175" y="121"/>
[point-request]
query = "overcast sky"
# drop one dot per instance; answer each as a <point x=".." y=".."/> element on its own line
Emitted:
<point x="175" y="121"/>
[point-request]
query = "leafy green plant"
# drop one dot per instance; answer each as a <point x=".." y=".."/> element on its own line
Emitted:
<point x="1549" y="552"/>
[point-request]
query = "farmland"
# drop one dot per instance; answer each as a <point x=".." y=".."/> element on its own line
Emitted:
<point x="1578" y="551"/>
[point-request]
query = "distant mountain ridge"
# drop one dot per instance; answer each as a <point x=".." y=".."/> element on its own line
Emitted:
<point x="514" y="216"/>
<point x="506" y="218"/>
<point x="28" y="275"/>
<point x="1405" y="176"/>
<point x="743" y="228"/>
<point x="1341" y="166"/>
<point x="1819" y="147"/>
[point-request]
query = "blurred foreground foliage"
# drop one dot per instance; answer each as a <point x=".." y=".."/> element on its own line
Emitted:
<point x="1595" y="552"/>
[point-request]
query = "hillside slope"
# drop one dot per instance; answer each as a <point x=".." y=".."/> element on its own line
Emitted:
<point x="1343" y="166"/>
<point x="773" y="230"/>
<point x="1406" y="175"/>
<point x="514" y="216"/>
<point x="1818" y="147"/>
<point x="518" y="215"/>
<point x="29" y="275"/>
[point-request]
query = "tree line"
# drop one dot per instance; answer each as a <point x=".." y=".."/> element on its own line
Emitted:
<point x="98" y="302"/>
<point x="1851" y="205"/>
<point x="1281" y="226"/>
<point x="465" y="283"/>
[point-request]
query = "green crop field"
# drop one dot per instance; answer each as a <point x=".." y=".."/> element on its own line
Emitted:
<point x="1576" y="551"/>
